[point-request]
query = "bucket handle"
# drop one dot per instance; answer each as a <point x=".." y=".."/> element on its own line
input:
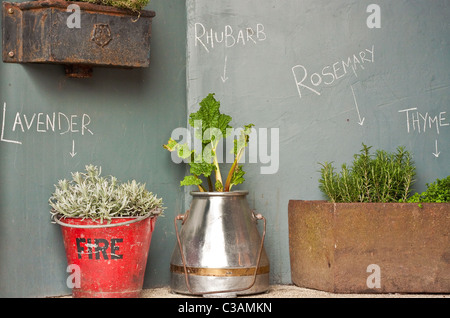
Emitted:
<point x="137" y="219"/>
<point x="183" y="218"/>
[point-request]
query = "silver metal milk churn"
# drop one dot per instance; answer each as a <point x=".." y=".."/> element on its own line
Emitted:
<point x="219" y="250"/>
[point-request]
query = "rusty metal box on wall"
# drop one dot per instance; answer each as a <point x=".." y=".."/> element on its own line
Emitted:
<point x="42" y="32"/>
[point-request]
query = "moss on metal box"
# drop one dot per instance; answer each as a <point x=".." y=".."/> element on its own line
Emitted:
<point x="124" y="4"/>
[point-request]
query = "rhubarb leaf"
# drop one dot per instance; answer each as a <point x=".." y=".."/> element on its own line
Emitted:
<point x="190" y="180"/>
<point x="238" y="177"/>
<point x="201" y="168"/>
<point x="209" y="117"/>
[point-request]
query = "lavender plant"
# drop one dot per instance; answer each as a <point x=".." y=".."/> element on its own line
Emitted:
<point x="91" y="196"/>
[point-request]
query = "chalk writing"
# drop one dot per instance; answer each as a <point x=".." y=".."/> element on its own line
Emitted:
<point x="331" y="72"/>
<point x="224" y="77"/>
<point x="73" y="153"/>
<point x="227" y="37"/>
<point x="59" y="122"/>
<point x="361" y="120"/>
<point x="3" y="129"/>
<point x="418" y="122"/>
<point x="436" y="153"/>
<point x="55" y="122"/>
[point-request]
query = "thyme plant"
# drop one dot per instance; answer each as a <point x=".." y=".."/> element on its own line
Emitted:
<point x="91" y="196"/>
<point x="438" y="191"/>
<point x="383" y="177"/>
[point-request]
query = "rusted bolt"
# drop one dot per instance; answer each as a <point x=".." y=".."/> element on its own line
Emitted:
<point x="78" y="71"/>
<point x="10" y="11"/>
<point x="11" y="53"/>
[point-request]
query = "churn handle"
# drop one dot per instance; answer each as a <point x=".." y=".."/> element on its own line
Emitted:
<point x="184" y="217"/>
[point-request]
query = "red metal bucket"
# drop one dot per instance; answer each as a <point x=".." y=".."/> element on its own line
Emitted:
<point x="111" y="257"/>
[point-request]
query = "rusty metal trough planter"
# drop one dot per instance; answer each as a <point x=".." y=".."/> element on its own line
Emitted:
<point x="332" y="246"/>
<point x="39" y="32"/>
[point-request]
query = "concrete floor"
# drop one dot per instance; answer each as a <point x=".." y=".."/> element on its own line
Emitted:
<point x="291" y="291"/>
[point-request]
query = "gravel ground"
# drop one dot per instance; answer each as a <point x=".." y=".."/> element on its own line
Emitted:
<point x="291" y="291"/>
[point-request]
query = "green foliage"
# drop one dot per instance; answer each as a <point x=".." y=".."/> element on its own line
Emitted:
<point x="438" y="191"/>
<point x="238" y="176"/>
<point x="134" y="5"/>
<point x="210" y="126"/>
<point x="90" y="196"/>
<point x="383" y="177"/>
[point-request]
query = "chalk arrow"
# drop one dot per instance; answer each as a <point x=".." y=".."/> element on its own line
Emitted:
<point x="436" y="154"/>
<point x="361" y="121"/>
<point x="73" y="153"/>
<point x="224" y="77"/>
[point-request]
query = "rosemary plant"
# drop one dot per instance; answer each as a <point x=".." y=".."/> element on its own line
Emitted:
<point x="91" y="196"/>
<point x="383" y="177"/>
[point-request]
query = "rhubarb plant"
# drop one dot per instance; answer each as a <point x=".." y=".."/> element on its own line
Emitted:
<point x="211" y="126"/>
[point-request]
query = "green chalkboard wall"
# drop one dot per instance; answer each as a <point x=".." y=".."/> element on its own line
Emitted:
<point x="318" y="78"/>
<point x="119" y="119"/>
